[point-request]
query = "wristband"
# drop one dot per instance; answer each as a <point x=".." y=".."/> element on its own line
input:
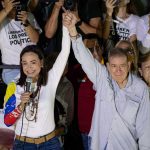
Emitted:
<point x="75" y="36"/>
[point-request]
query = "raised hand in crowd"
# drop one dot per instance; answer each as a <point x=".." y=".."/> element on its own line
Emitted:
<point x="52" y="23"/>
<point x="110" y="5"/>
<point x="8" y="6"/>
<point x="23" y="17"/>
<point x="18" y="29"/>
<point x="89" y="20"/>
<point x="59" y="4"/>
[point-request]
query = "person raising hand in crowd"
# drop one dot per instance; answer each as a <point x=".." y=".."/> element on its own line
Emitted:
<point x="18" y="28"/>
<point x="120" y="23"/>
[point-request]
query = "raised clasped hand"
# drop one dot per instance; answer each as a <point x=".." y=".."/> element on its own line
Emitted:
<point x="69" y="19"/>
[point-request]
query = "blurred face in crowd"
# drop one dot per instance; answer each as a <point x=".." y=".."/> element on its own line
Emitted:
<point x="126" y="45"/>
<point x="123" y="44"/>
<point x="123" y="3"/>
<point x="119" y="67"/>
<point x="31" y="65"/>
<point x="94" y="48"/>
<point x="145" y="71"/>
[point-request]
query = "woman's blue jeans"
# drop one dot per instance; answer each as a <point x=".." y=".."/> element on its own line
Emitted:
<point x="85" y="140"/>
<point x="52" y="144"/>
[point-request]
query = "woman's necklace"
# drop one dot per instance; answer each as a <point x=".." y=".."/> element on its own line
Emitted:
<point x="32" y="106"/>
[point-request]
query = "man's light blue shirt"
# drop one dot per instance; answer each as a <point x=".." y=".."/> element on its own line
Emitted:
<point x="121" y="119"/>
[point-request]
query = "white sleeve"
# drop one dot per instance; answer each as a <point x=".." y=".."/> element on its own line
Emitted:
<point x="142" y="33"/>
<point x="56" y="71"/>
<point x="133" y="25"/>
<point x="91" y="66"/>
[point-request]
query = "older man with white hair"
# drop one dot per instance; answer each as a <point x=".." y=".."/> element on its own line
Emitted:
<point x="121" y="119"/>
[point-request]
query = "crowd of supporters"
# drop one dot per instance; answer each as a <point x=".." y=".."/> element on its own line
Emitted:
<point x="103" y="25"/>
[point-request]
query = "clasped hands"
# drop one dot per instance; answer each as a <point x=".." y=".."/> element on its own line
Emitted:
<point x="69" y="21"/>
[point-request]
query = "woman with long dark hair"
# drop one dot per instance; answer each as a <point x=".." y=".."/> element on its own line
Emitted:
<point x="29" y="103"/>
